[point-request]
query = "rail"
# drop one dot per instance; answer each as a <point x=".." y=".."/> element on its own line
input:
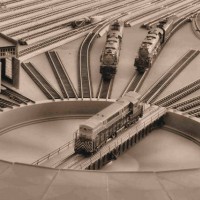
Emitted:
<point x="185" y="102"/>
<point x="61" y="75"/>
<point x="41" y="81"/>
<point x="86" y="90"/>
<point x="168" y="76"/>
<point x="189" y="105"/>
<point x="57" y="151"/>
<point x="193" y="111"/>
<point x="47" y="42"/>
<point x="135" y="82"/>
<point x="44" y="6"/>
<point x="179" y="94"/>
<point x="105" y="89"/>
<point x="11" y="94"/>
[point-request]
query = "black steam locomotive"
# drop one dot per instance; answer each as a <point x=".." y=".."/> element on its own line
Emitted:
<point x="106" y="124"/>
<point x="110" y="54"/>
<point x="153" y="43"/>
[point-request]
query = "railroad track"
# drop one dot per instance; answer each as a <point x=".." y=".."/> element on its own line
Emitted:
<point x="86" y="90"/>
<point x="85" y="84"/>
<point x="125" y="4"/>
<point x="19" y="7"/>
<point x="167" y="78"/>
<point x="148" y="12"/>
<point x="197" y="114"/>
<point x="171" y="99"/>
<point x="41" y="33"/>
<point x="152" y="11"/>
<point x="41" y="81"/>
<point x="50" y="41"/>
<point x="64" y="16"/>
<point x="136" y="82"/>
<point x="137" y="79"/>
<point x="150" y="23"/>
<point x="196" y="26"/>
<point x="61" y="75"/>
<point x="17" y="97"/>
<point x="185" y="103"/>
<point x="10" y="2"/>
<point x="105" y="89"/>
<point x="34" y="10"/>
<point x="193" y="112"/>
<point x="70" y="162"/>
<point x="189" y="105"/>
<point x="62" y="26"/>
<point x="7" y="104"/>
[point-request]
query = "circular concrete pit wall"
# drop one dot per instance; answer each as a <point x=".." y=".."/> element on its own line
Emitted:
<point x="45" y="183"/>
<point x="48" y="110"/>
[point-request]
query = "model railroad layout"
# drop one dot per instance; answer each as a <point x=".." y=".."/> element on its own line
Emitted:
<point x="41" y="27"/>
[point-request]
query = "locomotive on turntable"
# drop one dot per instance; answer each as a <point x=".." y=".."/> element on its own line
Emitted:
<point x="111" y="52"/>
<point x="153" y="43"/>
<point x="106" y="124"/>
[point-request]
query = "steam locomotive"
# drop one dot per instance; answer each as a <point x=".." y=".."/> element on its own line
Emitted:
<point x="110" y="54"/>
<point x="106" y="124"/>
<point x="153" y="43"/>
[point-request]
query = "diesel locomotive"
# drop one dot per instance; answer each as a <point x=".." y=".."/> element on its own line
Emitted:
<point x="111" y="52"/>
<point x="153" y="43"/>
<point x="105" y="125"/>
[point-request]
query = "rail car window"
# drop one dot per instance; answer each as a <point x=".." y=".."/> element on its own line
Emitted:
<point x="113" y="116"/>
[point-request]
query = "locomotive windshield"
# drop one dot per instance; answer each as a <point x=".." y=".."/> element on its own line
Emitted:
<point x="85" y="132"/>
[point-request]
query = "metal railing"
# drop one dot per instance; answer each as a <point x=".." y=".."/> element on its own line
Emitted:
<point x="57" y="151"/>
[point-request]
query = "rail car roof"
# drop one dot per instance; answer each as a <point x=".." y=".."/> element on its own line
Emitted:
<point x="107" y="112"/>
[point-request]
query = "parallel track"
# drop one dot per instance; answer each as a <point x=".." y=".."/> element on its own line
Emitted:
<point x="197" y="114"/>
<point x="167" y="78"/>
<point x="155" y="20"/>
<point x="185" y="103"/>
<point x="52" y="21"/>
<point x="7" y="104"/>
<point x="179" y="94"/>
<point x="56" y="39"/>
<point x="19" y="7"/>
<point x="17" y="97"/>
<point x="86" y="90"/>
<point x="152" y="11"/>
<point x="61" y="75"/>
<point x="35" y="10"/>
<point x="193" y="111"/>
<point x="136" y="82"/>
<point x="188" y="106"/>
<point x="41" y="82"/>
<point x="105" y="89"/>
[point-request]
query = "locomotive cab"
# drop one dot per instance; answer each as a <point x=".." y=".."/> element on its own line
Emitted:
<point x="84" y="140"/>
<point x="85" y="132"/>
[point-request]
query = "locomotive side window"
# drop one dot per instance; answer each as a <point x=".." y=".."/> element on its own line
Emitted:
<point x="113" y="116"/>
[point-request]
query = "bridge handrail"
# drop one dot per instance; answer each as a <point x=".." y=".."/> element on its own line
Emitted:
<point x="120" y="140"/>
<point x="57" y="151"/>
